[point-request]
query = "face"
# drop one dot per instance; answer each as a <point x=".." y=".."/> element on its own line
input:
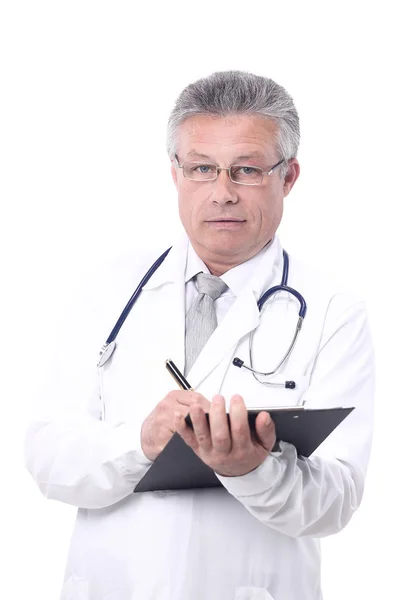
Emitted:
<point x="228" y="223"/>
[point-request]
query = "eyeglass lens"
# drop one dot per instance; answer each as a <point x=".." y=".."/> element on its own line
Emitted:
<point x="207" y="172"/>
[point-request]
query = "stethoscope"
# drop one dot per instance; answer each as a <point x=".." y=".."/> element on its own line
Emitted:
<point x="110" y="345"/>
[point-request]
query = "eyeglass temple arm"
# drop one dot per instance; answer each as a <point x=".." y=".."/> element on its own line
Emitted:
<point x="275" y="166"/>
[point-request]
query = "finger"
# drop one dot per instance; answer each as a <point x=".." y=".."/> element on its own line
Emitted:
<point x="200" y="427"/>
<point x="220" y="432"/>
<point x="265" y="430"/>
<point x="189" y="398"/>
<point x="196" y="398"/>
<point x="173" y="399"/>
<point x="240" y="429"/>
<point x="206" y="404"/>
<point x="185" y="431"/>
<point x="184" y="397"/>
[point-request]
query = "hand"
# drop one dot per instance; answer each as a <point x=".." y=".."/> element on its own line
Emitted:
<point x="228" y="454"/>
<point x="159" y="426"/>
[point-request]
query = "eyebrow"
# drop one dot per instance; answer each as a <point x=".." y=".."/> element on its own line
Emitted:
<point x="252" y="155"/>
<point x="198" y="154"/>
<point x="257" y="155"/>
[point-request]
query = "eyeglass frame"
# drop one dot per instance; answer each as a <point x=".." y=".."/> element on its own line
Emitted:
<point x="219" y="169"/>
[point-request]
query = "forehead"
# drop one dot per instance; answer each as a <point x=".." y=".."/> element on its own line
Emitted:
<point x="231" y="137"/>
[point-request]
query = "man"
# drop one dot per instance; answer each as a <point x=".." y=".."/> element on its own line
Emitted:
<point x="233" y="140"/>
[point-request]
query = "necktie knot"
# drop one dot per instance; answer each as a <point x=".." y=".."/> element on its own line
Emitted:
<point x="210" y="285"/>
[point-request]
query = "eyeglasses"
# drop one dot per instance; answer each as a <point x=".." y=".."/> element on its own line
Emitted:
<point x="242" y="174"/>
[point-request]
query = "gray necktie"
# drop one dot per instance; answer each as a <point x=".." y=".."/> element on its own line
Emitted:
<point x="201" y="319"/>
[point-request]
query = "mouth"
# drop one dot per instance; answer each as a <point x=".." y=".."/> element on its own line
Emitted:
<point x="226" y="220"/>
<point x="225" y="224"/>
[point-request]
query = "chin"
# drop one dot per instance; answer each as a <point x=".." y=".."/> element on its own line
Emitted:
<point x="226" y="247"/>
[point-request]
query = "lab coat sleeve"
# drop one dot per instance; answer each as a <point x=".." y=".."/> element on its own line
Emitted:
<point x="72" y="454"/>
<point x="317" y="496"/>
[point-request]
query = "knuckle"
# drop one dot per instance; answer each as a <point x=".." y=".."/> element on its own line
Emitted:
<point x="196" y="398"/>
<point x="168" y="402"/>
<point x="220" y="439"/>
<point x="202" y="438"/>
<point x="239" y="431"/>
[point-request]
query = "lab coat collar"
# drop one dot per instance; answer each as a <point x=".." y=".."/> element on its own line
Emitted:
<point x="250" y="272"/>
<point x="266" y="266"/>
<point x="173" y="267"/>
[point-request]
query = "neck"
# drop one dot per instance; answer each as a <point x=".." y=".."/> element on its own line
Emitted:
<point x="219" y="265"/>
<point x="219" y="269"/>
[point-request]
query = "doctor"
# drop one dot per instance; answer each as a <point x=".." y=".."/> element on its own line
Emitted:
<point x="232" y="140"/>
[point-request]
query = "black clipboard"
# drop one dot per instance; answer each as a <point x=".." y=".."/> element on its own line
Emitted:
<point x="179" y="468"/>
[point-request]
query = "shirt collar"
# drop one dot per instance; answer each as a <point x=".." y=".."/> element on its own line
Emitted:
<point x="237" y="277"/>
<point x="194" y="264"/>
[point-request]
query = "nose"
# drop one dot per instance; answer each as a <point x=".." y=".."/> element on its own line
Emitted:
<point x="224" y="190"/>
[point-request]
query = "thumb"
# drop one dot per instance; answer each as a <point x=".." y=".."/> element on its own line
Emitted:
<point x="265" y="429"/>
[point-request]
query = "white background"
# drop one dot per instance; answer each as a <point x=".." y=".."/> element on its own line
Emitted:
<point x="86" y="91"/>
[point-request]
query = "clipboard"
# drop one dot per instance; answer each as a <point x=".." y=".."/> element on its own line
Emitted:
<point x="177" y="467"/>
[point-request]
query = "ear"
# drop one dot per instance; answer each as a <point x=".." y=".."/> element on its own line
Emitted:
<point x="292" y="175"/>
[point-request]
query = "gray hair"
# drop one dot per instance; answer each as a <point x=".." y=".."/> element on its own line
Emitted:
<point x="237" y="92"/>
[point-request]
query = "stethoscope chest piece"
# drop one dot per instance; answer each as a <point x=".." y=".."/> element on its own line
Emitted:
<point x="106" y="352"/>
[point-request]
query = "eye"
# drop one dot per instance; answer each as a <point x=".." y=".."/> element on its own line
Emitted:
<point x="243" y="171"/>
<point x="248" y="170"/>
<point x="203" y="168"/>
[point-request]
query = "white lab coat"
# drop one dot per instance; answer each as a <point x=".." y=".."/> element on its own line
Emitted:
<point x="257" y="537"/>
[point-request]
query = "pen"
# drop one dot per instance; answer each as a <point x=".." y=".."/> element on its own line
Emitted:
<point x="177" y="376"/>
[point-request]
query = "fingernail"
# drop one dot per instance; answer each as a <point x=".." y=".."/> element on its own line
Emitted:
<point x="218" y="400"/>
<point x="268" y="422"/>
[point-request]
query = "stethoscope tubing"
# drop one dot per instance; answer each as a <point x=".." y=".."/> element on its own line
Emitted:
<point x="283" y="287"/>
<point x="127" y="309"/>
<point x="110" y="344"/>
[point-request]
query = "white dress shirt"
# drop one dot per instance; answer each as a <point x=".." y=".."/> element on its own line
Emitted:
<point x="235" y="278"/>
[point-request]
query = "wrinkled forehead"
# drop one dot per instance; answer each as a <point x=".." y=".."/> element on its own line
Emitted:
<point x="231" y="137"/>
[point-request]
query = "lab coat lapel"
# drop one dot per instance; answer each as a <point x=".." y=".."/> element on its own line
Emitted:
<point x="172" y="324"/>
<point x="242" y="318"/>
<point x="168" y="288"/>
